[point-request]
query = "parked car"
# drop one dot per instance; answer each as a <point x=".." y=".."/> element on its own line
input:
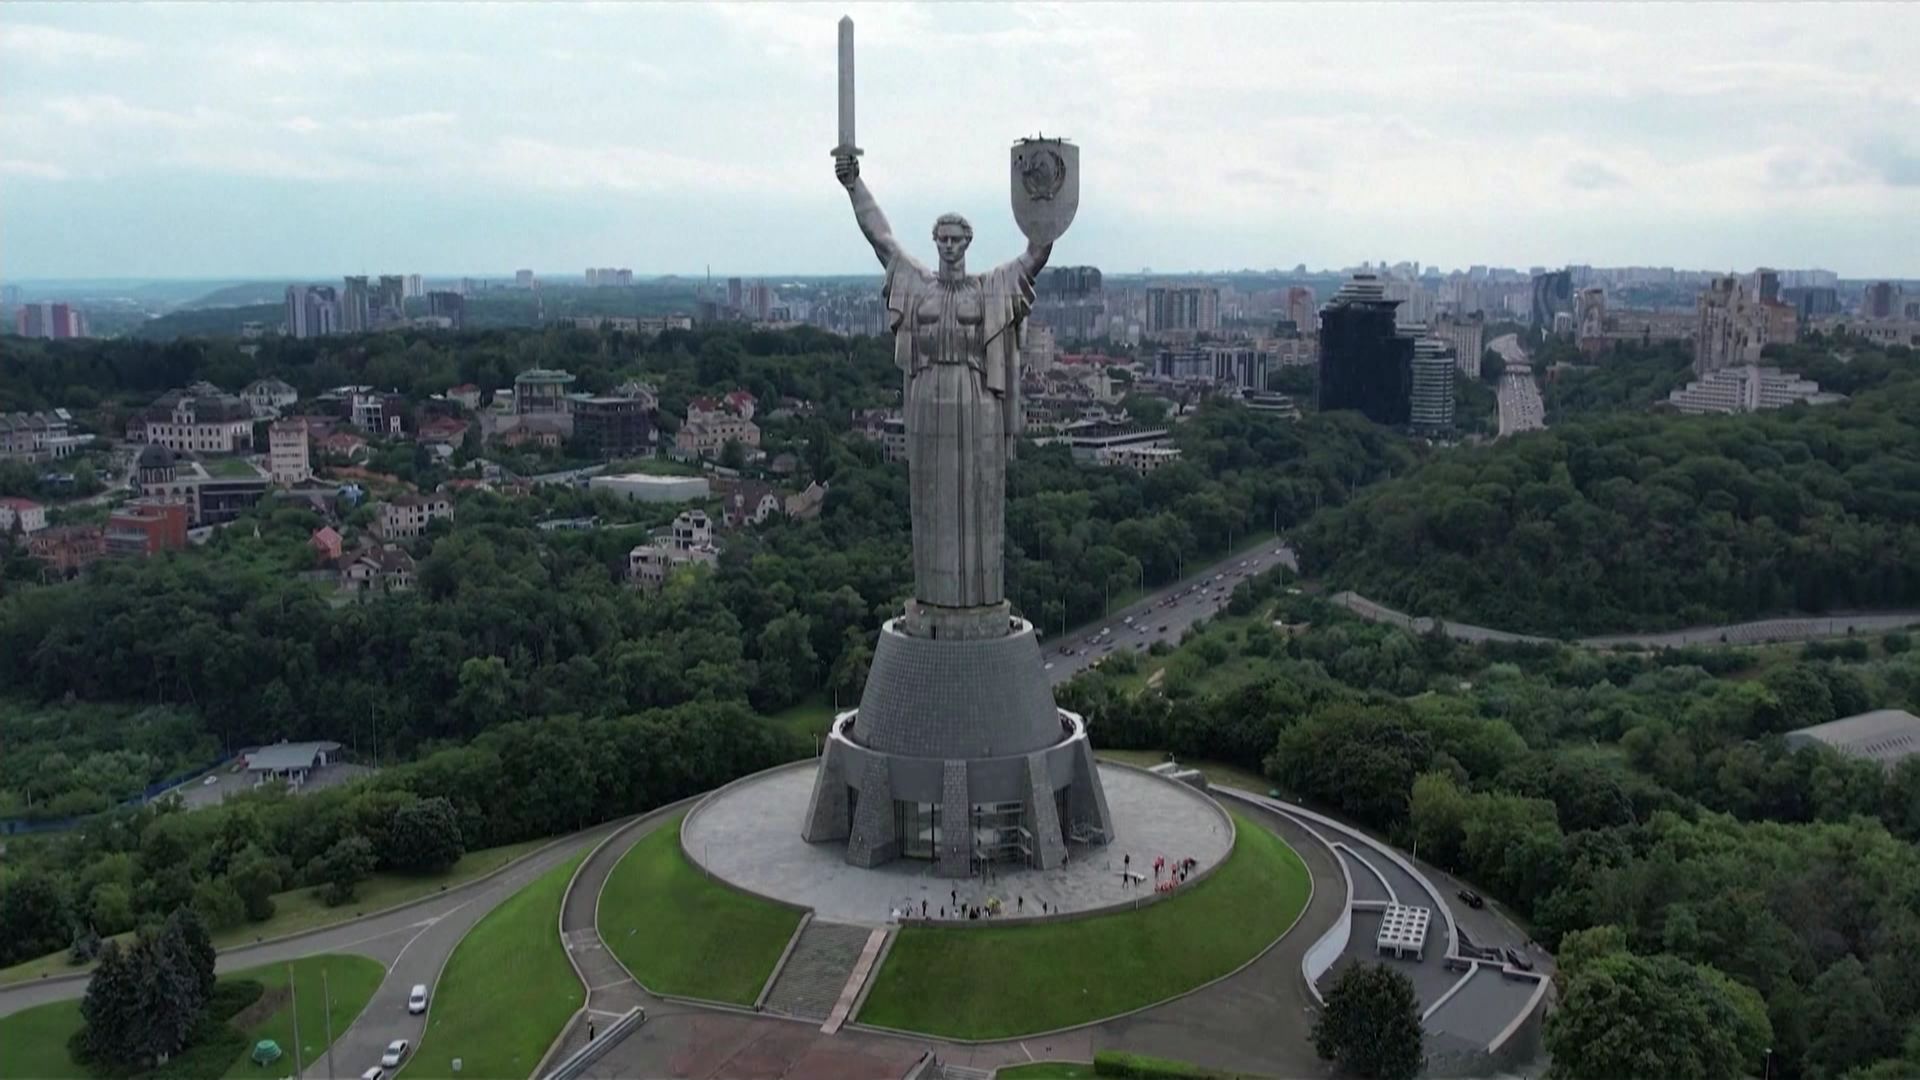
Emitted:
<point x="1472" y="899"/>
<point x="1515" y="958"/>
<point x="417" y="1000"/>
<point x="210" y="780"/>
<point x="1163" y="628"/>
<point x="396" y="1053"/>
<point x="374" y="1072"/>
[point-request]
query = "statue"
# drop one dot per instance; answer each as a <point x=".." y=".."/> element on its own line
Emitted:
<point x="957" y="341"/>
<point x="958" y="752"/>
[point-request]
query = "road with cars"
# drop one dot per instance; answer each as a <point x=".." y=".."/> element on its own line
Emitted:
<point x="1519" y="395"/>
<point x="412" y="943"/>
<point x="1162" y="616"/>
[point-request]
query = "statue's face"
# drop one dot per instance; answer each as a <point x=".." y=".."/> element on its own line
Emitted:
<point x="951" y="241"/>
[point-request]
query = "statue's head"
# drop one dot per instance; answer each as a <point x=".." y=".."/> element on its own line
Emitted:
<point x="951" y="235"/>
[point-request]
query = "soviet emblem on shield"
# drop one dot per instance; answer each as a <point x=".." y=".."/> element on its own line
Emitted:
<point x="1046" y="187"/>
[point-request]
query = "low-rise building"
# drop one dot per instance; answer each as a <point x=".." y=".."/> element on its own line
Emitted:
<point x="689" y="542"/>
<point x="747" y="502"/>
<point x="612" y="426"/>
<point x="291" y="763"/>
<point x="66" y="549"/>
<point x="806" y="505"/>
<point x="146" y="527"/>
<point x="1886" y="736"/>
<point x="215" y="490"/>
<point x="406" y="517"/>
<point x="39" y="436"/>
<point x="1140" y="458"/>
<point x="382" y="568"/>
<point x="1879" y="331"/>
<point x="1748" y="388"/>
<point x="202" y="419"/>
<point x="646" y="487"/>
<point x="466" y="394"/>
<point x="326" y="544"/>
<point x="287" y="458"/>
<point x="269" y="397"/>
<point x="21" y="516"/>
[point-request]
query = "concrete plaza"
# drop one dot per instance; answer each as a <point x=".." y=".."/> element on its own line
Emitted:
<point x="749" y="836"/>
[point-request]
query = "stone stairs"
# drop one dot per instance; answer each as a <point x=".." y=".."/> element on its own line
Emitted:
<point x="817" y="970"/>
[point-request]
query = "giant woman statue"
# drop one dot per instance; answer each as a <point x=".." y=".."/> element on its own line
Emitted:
<point x="957" y="339"/>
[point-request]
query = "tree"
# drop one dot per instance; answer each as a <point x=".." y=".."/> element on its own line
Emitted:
<point x="1626" y="1015"/>
<point x="425" y="836"/>
<point x="1848" y="1022"/>
<point x="219" y="903"/>
<point x="733" y="455"/>
<point x="33" y="917"/>
<point x="255" y="877"/>
<point x="144" y="1000"/>
<point x="1371" y="1023"/>
<point x="341" y="870"/>
<point x="185" y="934"/>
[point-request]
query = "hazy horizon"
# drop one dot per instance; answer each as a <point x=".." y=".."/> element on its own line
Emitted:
<point x="227" y="143"/>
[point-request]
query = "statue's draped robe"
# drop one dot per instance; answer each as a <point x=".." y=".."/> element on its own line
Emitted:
<point x="959" y="345"/>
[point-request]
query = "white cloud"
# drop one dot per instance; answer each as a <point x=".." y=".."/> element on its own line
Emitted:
<point x="54" y="45"/>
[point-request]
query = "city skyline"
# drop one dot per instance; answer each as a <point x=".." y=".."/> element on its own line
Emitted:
<point x="666" y="139"/>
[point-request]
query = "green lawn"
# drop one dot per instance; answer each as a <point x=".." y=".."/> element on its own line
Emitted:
<point x="680" y="933"/>
<point x="1047" y="1070"/>
<point x="228" y="467"/>
<point x="807" y="719"/>
<point x="1216" y="772"/>
<point x="33" y="1042"/>
<point x="995" y="983"/>
<point x="301" y="909"/>
<point x="508" y="988"/>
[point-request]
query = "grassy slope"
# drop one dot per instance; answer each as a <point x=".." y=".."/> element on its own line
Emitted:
<point x="680" y="933"/>
<point x="987" y="983"/>
<point x="301" y="909"/>
<point x="508" y="988"/>
<point x="33" y="1042"/>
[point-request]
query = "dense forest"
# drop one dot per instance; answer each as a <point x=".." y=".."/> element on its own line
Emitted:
<point x="1628" y="521"/>
<point x="1639" y="809"/>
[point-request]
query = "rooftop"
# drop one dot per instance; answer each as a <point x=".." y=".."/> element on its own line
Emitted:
<point x="289" y="755"/>
<point x="1883" y="735"/>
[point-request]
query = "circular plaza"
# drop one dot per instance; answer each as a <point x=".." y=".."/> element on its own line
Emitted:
<point x="746" y="836"/>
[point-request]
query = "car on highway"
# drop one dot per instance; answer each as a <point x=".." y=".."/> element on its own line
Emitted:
<point x="209" y="781"/>
<point x="374" y="1072"/>
<point x="396" y="1053"/>
<point x="1517" y="960"/>
<point x="1472" y="899"/>
<point x="417" y="999"/>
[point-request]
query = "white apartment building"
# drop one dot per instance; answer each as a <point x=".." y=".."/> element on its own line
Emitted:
<point x="1467" y="334"/>
<point x="1747" y="388"/>
<point x="287" y="457"/>
<point x="689" y="541"/>
<point x="201" y="418"/>
<point x="1141" y="459"/>
<point x="405" y="517"/>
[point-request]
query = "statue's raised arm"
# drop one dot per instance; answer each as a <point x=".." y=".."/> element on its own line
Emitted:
<point x="873" y="223"/>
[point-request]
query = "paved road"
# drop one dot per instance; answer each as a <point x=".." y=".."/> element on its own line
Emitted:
<point x="1520" y="406"/>
<point x="1789" y="628"/>
<point x="412" y="943"/>
<point x="1164" y="615"/>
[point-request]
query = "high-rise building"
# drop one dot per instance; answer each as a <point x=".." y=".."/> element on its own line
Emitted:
<point x="1879" y="302"/>
<point x="1365" y="363"/>
<point x="416" y="286"/>
<point x="1552" y="295"/>
<point x="1732" y="324"/>
<point x="1467" y="335"/>
<point x="48" y="319"/>
<point x="390" y="302"/>
<point x="1182" y="310"/>
<point x="1071" y="301"/>
<point x="448" y="305"/>
<point x="1300" y="310"/>
<point x="356" y="306"/>
<point x="759" y="300"/>
<point x="312" y="311"/>
<point x="1430" y="403"/>
<point x="736" y="293"/>
<point x="1812" y="301"/>
<point x="523" y="279"/>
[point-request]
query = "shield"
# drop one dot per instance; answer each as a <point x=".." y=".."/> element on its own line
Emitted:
<point x="1046" y="187"/>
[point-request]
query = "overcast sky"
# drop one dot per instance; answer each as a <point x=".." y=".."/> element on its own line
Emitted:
<point x="272" y="140"/>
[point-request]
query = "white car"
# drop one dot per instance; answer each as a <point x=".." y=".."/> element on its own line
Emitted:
<point x="374" y="1072"/>
<point x="417" y="1000"/>
<point x="209" y="781"/>
<point x="396" y="1053"/>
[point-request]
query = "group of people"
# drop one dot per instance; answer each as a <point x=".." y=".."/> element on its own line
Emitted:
<point x="987" y="909"/>
<point x="1176" y="872"/>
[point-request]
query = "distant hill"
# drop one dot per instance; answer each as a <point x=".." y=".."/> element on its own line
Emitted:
<point x="209" y="321"/>
<point x="241" y="295"/>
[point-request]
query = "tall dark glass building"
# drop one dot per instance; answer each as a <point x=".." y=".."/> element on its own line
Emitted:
<point x="1365" y="364"/>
